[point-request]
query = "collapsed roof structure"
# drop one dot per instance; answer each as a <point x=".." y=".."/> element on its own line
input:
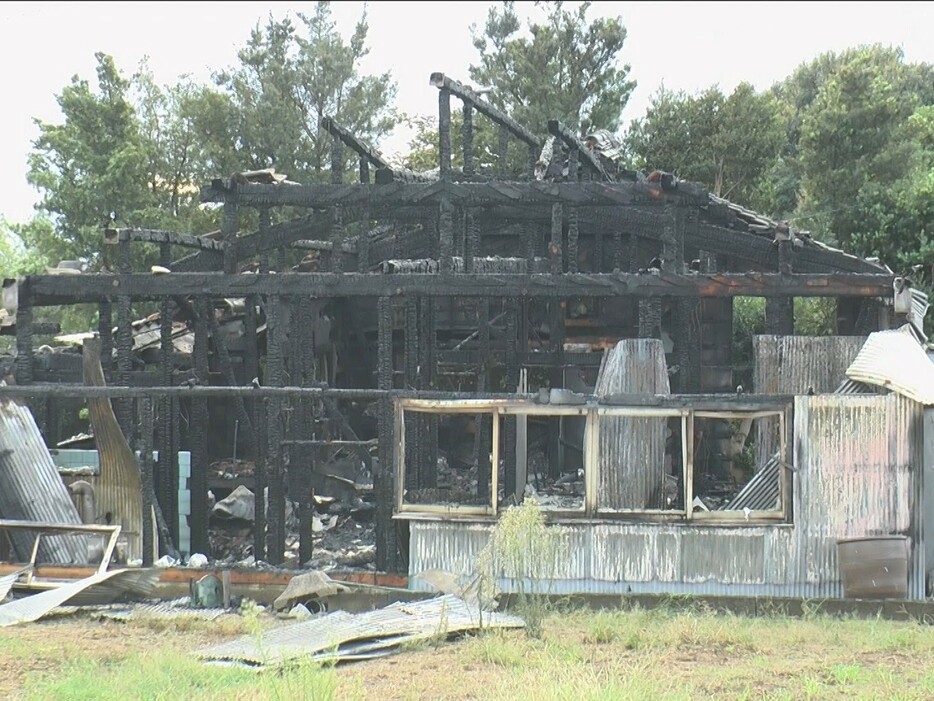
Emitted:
<point x="582" y="314"/>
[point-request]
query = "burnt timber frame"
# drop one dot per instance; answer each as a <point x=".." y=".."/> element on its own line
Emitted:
<point x="583" y="238"/>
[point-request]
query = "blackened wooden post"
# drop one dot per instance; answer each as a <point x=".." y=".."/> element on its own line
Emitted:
<point x="780" y="311"/>
<point x="337" y="161"/>
<point x="263" y="228"/>
<point x="503" y="152"/>
<point x="512" y="380"/>
<point x="528" y="233"/>
<point x="533" y="155"/>
<point x="471" y="240"/>
<point x="166" y="493"/>
<point x="413" y="420"/>
<point x="276" y="325"/>
<point x="444" y="132"/>
<point x="24" y="353"/>
<point x="146" y="477"/>
<point x="468" y="139"/>
<point x="482" y="446"/>
<point x="337" y="239"/>
<point x="686" y="332"/>
<point x="428" y="452"/>
<point x="386" y="546"/>
<point x="574" y="165"/>
<point x="303" y="468"/>
<point x="363" y="244"/>
<point x="105" y="325"/>
<point x="554" y="247"/>
<point x="229" y="227"/>
<point x="364" y="170"/>
<point x="200" y="461"/>
<point x="573" y="234"/>
<point x="446" y="234"/>
<point x="125" y="349"/>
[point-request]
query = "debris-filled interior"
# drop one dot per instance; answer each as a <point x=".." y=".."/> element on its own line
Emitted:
<point x="342" y="359"/>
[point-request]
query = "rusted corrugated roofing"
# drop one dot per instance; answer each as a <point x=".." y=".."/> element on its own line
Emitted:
<point x="895" y="360"/>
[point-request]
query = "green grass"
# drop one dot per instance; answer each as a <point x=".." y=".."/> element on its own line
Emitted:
<point x="678" y="651"/>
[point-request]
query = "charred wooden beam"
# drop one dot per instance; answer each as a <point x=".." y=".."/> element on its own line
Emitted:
<point x="467" y="130"/>
<point x="114" y="236"/>
<point x="397" y="195"/>
<point x="583" y="154"/>
<point x="24" y="324"/>
<point x="146" y="477"/>
<point x="444" y="132"/>
<point x="386" y="543"/>
<point x="50" y="290"/>
<point x="363" y="150"/>
<point x="442" y="82"/>
<point x="229" y="227"/>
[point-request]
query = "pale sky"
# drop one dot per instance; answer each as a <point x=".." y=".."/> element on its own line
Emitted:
<point x="686" y="46"/>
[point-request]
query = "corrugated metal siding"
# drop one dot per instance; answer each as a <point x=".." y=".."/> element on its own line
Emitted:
<point x="858" y="473"/>
<point x="632" y="450"/>
<point x="793" y="365"/>
<point x="31" y="489"/>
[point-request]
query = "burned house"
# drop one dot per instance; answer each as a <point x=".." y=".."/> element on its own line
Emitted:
<point x="565" y="336"/>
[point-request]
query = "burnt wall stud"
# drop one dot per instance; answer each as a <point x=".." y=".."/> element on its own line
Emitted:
<point x="444" y="132"/>
<point x="387" y="557"/>
<point x="468" y="139"/>
<point x="146" y="477"/>
<point x="200" y="462"/>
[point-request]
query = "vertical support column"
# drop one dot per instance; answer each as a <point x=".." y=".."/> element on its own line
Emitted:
<point x="780" y="311"/>
<point x="512" y="380"/>
<point x="554" y="248"/>
<point x="482" y="445"/>
<point x="167" y="492"/>
<point x="24" y="354"/>
<point x="105" y="325"/>
<point x="146" y="478"/>
<point x="337" y="239"/>
<point x="468" y="139"/>
<point x="574" y="165"/>
<point x="446" y="234"/>
<point x="503" y="152"/>
<point x="276" y="324"/>
<point x="229" y="233"/>
<point x="263" y="227"/>
<point x="471" y="239"/>
<point x="200" y="461"/>
<point x="528" y="232"/>
<point x="363" y="243"/>
<point x="427" y="429"/>
<point x="364" y="175"/>
<point x="573" y="235"/>
<point x="413" y="420"/>
<point x="444" y="133"/>
<point x="124" y="407"/>
<point x="256" y="411"/>
<point x="337" y="161"/>
<point x="686" y="331"/>
<point x="386" y="543"/>
<point x="305" y="465"/>
<point x="533" y="155"/>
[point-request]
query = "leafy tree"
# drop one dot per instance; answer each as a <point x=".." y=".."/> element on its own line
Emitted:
<point x="724" y="141"/>
<point x="270" y="105"/>
<point x="90" y="166"/>
<point x="567" y="68"/>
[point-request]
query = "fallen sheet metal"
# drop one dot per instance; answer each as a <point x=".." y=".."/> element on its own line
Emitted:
<point x="164" y="610"/>
<point x="896" y="361"/>
<point x="308" y="586"/>
<point x="7" y="582"/>
<point x="103" y="588"/>
<point x="342" y="636"/>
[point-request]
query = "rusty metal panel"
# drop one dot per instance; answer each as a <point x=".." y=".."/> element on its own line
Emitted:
<point x="632" y="450"/>
<point x="859" y="472"/>
<point x="895" y="360"/>
<point x="734" y="557"/>
<point x="31" y="489"/>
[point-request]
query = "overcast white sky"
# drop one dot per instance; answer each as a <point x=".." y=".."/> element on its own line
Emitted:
<point x="683" y="45"/>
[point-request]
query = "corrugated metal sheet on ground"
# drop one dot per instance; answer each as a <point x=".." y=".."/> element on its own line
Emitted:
<point x="104" y="588"/>
<point x="895" y="360"/>
<point x="176" y="609"/>
<point x="32" y="490"/>
<point x="7" y="582"/>
<point x="339" y="633"/>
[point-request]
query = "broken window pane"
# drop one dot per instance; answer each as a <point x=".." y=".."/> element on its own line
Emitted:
<point x="462" y="474"/>
<point x="737" y="464"/>
<point x="555" y="461"/>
